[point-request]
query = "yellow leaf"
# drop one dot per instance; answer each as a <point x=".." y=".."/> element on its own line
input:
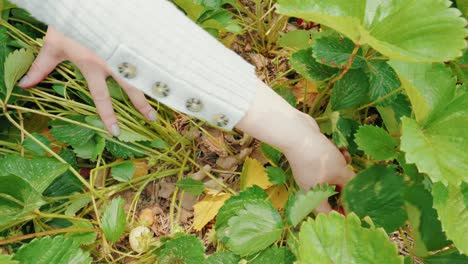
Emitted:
<point x="278" y="195"/>
<point x="305" y="91"/>
<point x="141" y="169"/>
<point x="253" y="173"/>
<point x="206" y="209"/>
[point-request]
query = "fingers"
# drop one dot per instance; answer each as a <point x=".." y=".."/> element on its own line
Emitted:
<point x="101" y="97"/>
<point x="344" y="176"/>
<point x="49" y="57"/>
<point x="138" y="99"/>
<point x="324" y="207"/>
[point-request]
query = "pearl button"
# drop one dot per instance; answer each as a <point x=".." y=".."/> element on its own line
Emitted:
<point x="160" y="89"/>
<point x="128" y="70"/>
<point x="194" y="105"/>
<point x="221" y="120"/>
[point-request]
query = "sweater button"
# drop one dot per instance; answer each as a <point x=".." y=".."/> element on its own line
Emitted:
<point x="160" y="89"/>
<point x="194" y="105"/>
<point x="128" y="70"/>
<point x="221" y="120"/>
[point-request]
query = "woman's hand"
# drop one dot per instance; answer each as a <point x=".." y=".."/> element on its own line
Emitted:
<point x="58" y="48"/>
<point x="313" y="158"/>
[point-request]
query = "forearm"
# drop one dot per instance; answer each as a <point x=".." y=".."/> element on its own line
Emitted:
<point x="271" y="119"/>
<point x="165" y="46"/>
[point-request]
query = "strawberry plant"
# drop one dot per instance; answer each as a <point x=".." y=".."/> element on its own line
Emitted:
<point x="385" y="80"/>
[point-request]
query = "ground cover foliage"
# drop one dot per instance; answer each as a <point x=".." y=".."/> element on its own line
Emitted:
<point x="386" y="80"/>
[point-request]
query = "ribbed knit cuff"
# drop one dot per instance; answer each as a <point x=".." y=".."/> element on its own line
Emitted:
<point x="203" y="78"/>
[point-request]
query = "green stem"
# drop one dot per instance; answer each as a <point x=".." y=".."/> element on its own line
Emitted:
<point x="47" y="233"/>
<point x="381" y="99"/>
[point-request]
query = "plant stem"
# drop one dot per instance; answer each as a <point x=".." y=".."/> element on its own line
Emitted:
<point x="381" y="99"/>
<point x="47" y="233"/>
<point x="174" y="196"/>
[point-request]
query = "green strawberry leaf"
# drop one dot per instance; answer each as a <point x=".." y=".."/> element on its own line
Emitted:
<point x="32" y="146"/>
<point x="47" y="250"/>
<point x="191" y="186"/>
<point x="426" y="228"/>
<point x="463" y="6"/>
<point x="223" y="258"/>
<point x="392" y="113"/>
<point x="16" y="65"/>
<point x="400" y="29"/>
<point x="122" y="152"/>
<point x="276" y="175"/>
<point x="447" y="257"/>
<point x="296" y="39"/>
<point x="40" y="172"/>
<point x="287" y="95"/>
<point x="451" y="204"/>
<point x="113" y="220"/>
<point x="115" y="90"/>
<point x="430" y="87"/>
<point x="438" y="149"/>
<point x="123" y="172"/>
<point x="234" y="204"/>
<point x="304" y="63"/>
<point x="271" y="153"/>
<point x="302" y="204"/>
<point x="376" y="142"/>
<point x="337" y="239"/>
<point x="82" y="238"/>
<point x="8" y="259"/>
<point x="18" y="199"/>
<point x="335" y="51"/>
<point x="66" y="183"/>
<point x="344" y="131"/>
<point x="383" y="80"/>
<point x="275" y="255"/>
<point x="91" y="149"/>
<point x="377" y="192"/>
<point x="253" y="228"/>
<point x="350" y="91"/>
<point x="184" y="249"/>
<point x="125" y="135"/>
<point x="437" y="141"/>
<point x="159" y="144"/>
<point x="72" y="134"/>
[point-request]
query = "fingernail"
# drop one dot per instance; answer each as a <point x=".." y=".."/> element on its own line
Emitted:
<point x="115" y="129"/>
<point x="23" y="81"/>
<point x="152" y="116"/>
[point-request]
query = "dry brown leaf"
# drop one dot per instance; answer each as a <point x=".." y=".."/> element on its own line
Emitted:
<point x="206" y="209"/>
<point x="185" y="215"/>
<point x="188" y="201"/>
<point x="201" y="174"/>
<point x="212" y="184"/>
<point x="228" y="163"/>
<point x="278" y="195"/>
<point x="167" y="188"/>
<point x="243" y="154"/>
<point x="57" y="146"/>
<point x="258" y="60"/>
<point x="101" y="175"/>
<point x="253" y="173"/>
<point x="257" y="154"/>
<point x="214" y="142"/>
<point x="141" y="168"/>
<point x="305" y="91"/>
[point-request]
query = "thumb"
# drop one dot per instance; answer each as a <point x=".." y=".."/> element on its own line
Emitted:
<point x="44" y="64"/>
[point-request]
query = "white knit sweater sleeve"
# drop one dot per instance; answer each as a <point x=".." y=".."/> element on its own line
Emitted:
<point x="174" y="60"/>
